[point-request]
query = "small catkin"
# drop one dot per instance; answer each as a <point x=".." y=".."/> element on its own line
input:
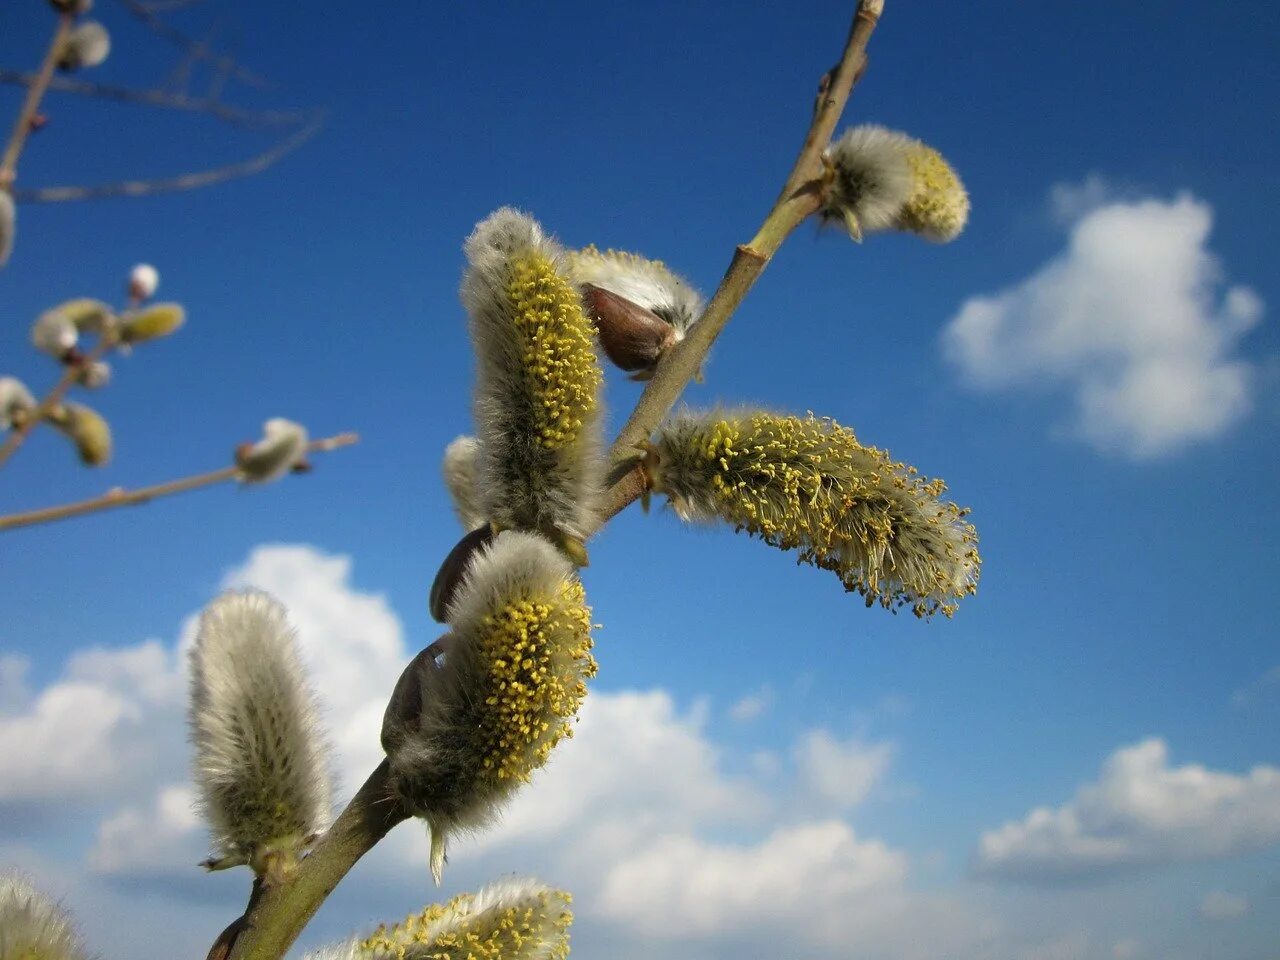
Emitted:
<point x="938" y="207"/>
<point x="283" y="447"/>
<point x="151" y="323"/>
<point x="808" y="484"/>
<point x="261" y="763"/>
<point x="143" y="281"/>
<point x="479" y="724"/>
<point x="87" y="429"/>
<point x="537" y="407"/>
<point x="32" y="926"/>
<point x="16" y="402"/>
<point x="460" y="477"/>
<point x="87" y="45"/>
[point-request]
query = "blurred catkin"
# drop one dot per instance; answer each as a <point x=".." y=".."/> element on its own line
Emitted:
<point x="32" y="926"/>
<point x="459" y="469"/>
<point x="261" y="764"/>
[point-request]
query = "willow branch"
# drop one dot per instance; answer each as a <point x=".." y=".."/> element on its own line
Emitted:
<point x="127" y="498"/>
<point x="163" y="99"/>
<point x="30" y="105"/>
<point x="189" y="181"/>
<point x="70" y="374"/>
<point x="270" y="926"/>
<point x="274" y="923"/>
<point x="196" y="48"/>
<point x="799" y="199"/>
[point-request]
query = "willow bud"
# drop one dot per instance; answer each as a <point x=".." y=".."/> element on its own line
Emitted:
<point x="143" y="281"/>
<point x="283" y="447"/>
<point x="93" y="375"/>
<point x="16" y="403"/>
<point x="152" y="323"/>
<point x="87" y="429"/>
<point x="449" y="576"/>
<point x="631" y="336"/>
<point x="87" y="45"/>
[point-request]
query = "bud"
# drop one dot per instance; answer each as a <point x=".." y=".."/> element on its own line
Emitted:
<point x="54" y="333"/>
<point x="537" y="404"/>
<point x="631" y="336"/>
<point x="514" y="919"/>
<point x="880" y="179"/>
<point x="634" y="282"/>
<point x="507" y="691"/>
<point x="74" y="6"/>
<point x="33" y="926"/>
<point x="16" y="403"/>
<point x="261" y="765"/>
<point x="87" y="45"/>
<point x="809" y="484"/>
<point x="152" y="323"/>
<point x="8" y="225"/>
<point x="459" y="470"/>
<point x="143" y="281"/>
<point x="283" y="447"/>
<point x="449" y="576"/>
<point x="94" y="375"/>
<point x="87" y="430"/>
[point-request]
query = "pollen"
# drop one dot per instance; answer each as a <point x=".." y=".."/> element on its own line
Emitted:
<point x="938" y="207"/>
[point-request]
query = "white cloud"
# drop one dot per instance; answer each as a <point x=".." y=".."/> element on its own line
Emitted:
<point x="1140" y="812"/>
<point x="840" y="773"/>
<point x="1246" y="695"/>
<point x="161" y="838"/>
<point x="1220" y="905"/>
<point x="752" y="705"/>
<point x="1131" y="319"/>
<point x="800" y="881"/>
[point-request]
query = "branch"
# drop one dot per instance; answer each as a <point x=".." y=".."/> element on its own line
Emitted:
<point x="21" y="430"/>
<point x="196" y="48"/>
<point x="35" y="93"/>
<point x="188" y="181"/>
<point x="126" y="498"/>
<point x="798" y="200"/>
<point x="272" y="924"/>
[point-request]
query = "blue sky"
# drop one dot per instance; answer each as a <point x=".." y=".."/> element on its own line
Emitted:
<point x="1124" y="599"/>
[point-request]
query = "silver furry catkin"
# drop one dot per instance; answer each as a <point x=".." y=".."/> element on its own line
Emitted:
<point x="261" y="765"/>
<point x="16" y="402"/>
<point x="87" y="45"/>
<point x="32" y="926"/>
<point x="537" y="406"/>
<point x="283" y="447"/>
<point x="871" y="179"/>
<point x="460" y="478"/>
<point x="461" y="736"/>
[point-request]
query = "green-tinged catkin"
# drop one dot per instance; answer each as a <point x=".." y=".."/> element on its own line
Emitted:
<point x="807" y="484"/>
<point x="537" y="395"/>
<point x="938" y="207"/>
<point x="507" y="692"/>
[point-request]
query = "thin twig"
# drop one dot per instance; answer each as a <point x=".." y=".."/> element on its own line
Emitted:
<point x="70" y="375"/>
<point x="188" y="181"/>
<point x="165" y="99"/>
<point x="798" y="200"/>
<point x="30" y="106"/>
<point x="280" y="916"/>
<point x="197" y="48"/>
<point x="125" y="498"/>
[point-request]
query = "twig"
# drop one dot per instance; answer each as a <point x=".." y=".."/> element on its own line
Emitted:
<point x="166" y="99"/>
<point x="280" y="916"/>
<point x="125" y="498"/>
<point x="197" y="48"/>
<point x="70" y="374"/>
<point x="188" y="181"/>
<point x="22" y="127"/>
<point x="798" y="200"/>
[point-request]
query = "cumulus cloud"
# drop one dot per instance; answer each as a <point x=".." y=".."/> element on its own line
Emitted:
<point x="1140" y="812"/>
<point x="752" y="705"/>
<point x="1133" y="320"/>
<point x="840" y="773"/>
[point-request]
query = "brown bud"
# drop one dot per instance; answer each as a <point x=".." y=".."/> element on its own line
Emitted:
<point x="449" y="577"/>
<point x="401" y="716"/>
<point x="631" y="336"/>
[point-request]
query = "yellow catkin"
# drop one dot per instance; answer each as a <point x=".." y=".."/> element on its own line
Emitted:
<point x="538" y="652"/>
<point x="938" y="207"/>
<point x="556" y="342"/>
<point x="454" y="931"/>
<point x="808" y="484"/>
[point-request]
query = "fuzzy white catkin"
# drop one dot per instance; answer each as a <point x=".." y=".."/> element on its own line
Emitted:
<point x="282" y="447"/>
<point x="144" y="279"/>
<point x="460" y="477"/>
<point x="261" y="763"/>
<point x="537" y="409"/>
<point x="54" y="333"/>
<point x="15" y="399"/>
<point x="95" y="375"/>
<point x="873" y="177"/>
<point x="32" y="926"/>
<point x="87" y="45"/>
<point x="8" y="226"/>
